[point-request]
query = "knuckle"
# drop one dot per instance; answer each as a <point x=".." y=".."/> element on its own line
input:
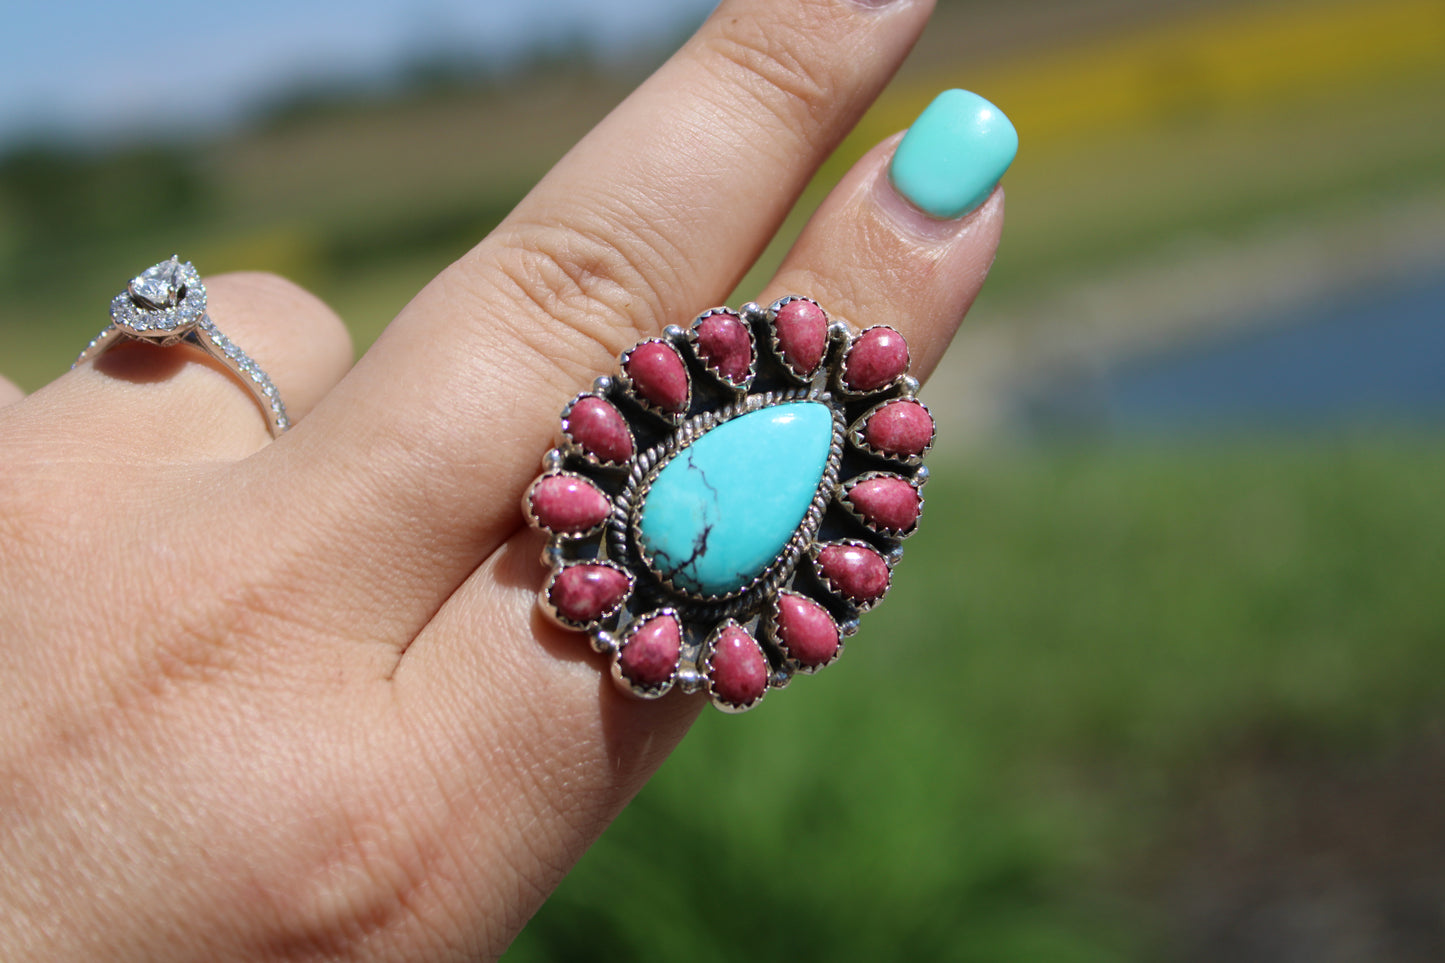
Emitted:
<point x="586" y="291"/>
<point x="180" y="645"/>
<point x="369" y="886"/>
<point x="359" y="880"/>
<point x="190" y="646"/>
<point x="239" y="628"/>
<point x="777" y="70"/>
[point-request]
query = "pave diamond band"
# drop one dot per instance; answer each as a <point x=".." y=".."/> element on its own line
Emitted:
<point x="166" y="304"/>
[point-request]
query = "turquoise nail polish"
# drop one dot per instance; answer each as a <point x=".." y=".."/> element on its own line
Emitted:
<point x="953" y="155"/>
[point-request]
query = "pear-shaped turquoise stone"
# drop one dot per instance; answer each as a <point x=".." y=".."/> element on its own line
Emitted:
<point x="725" y="506"/>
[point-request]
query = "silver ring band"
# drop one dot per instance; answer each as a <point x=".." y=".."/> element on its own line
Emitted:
<point x="166" y="305"/>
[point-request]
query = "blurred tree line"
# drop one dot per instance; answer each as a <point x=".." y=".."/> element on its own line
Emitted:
<point x="66" y="200"/>
<point x="55" y="196"/>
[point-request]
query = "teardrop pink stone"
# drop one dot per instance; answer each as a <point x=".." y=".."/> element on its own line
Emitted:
<point x="649" y="656"/>
<point x="585" y="592"/>
<point x="724" y="343"/>
<point x="568" y="504"/>
<point x="887" y="503"/>
<point x="739" y="672"/>
<point x="807" y="630"/>
<point x="876" y="359"/>
<point x="900" y="427"/>
<point x="858" y="573"/>
<point x="802" y="334"/>
<point x="658" y="374"/>
<point x="596" y="425"/>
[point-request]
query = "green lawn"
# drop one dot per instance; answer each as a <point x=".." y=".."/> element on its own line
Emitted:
<point x="1075" y="642"/>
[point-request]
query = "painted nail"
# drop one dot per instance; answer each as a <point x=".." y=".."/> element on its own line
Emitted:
<point x="953" y="155"/>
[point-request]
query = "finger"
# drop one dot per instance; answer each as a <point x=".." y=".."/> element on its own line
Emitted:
<point x="652" y="218"/>
<point x="9" y="392"/>
<point x="668" y="202"/>
<point x="522" y="730"/>
<point x="870" y="254"/>
<point x="179" y="404"/>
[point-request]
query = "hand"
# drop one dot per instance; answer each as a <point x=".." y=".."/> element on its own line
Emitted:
<point x="294" y="699"/>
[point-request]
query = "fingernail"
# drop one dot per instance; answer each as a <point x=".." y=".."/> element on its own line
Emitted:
<point x="953" y="155"/>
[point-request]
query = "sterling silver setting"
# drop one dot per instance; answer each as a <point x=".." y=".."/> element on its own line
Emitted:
<point x="166" y="305"/>
<point x="793" y="616"/>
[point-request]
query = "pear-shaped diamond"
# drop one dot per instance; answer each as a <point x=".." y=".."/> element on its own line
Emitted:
<point x="159" y="287"/>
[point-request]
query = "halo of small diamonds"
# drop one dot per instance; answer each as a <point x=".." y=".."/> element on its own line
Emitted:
<point x="161" y="303"/>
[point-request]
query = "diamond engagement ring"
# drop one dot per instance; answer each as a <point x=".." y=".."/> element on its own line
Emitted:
<point x="722" y="509"/>
<point x="165" y="305"/>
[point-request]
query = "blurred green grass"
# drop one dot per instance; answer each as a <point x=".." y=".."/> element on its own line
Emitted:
<point x="1075" y="641"/>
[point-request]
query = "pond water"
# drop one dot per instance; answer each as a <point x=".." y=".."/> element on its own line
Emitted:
<point x="1368" y="358"/>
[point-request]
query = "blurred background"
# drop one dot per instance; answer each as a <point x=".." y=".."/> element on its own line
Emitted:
<point x="1162" y="677"/>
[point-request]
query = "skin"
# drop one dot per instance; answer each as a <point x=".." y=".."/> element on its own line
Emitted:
<point x="293" y="699"/>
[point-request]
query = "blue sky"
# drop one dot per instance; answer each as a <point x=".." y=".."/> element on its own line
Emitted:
<point x="101" y="68"/>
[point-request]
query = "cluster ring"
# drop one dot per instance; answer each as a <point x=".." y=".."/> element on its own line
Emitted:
<point x="722" y="509"/>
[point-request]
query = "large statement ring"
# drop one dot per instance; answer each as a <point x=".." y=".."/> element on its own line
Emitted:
<point x="722" y="509"/>
<point x="166" y="304"/>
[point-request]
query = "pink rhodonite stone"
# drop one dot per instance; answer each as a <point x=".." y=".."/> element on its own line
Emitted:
<point x="598" y="427"/>
<point x="658" y="374"/>
<point x="900" y="427"/>
<point x="858" y="573"/>
<point x="587" y="591"/>
<point x="650" y="653"/>
<point x="887" y="503"/>
<point x="739" y="672"/>
<point x="567" y="504"/>
<point x="724" y="343"/>
<point x="807" y="630"/>
<point x="802" y="334"/>
<point x="876" y="359"/>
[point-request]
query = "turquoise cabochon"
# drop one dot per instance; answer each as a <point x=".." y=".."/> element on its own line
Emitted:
<point x="723" y="508"/>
